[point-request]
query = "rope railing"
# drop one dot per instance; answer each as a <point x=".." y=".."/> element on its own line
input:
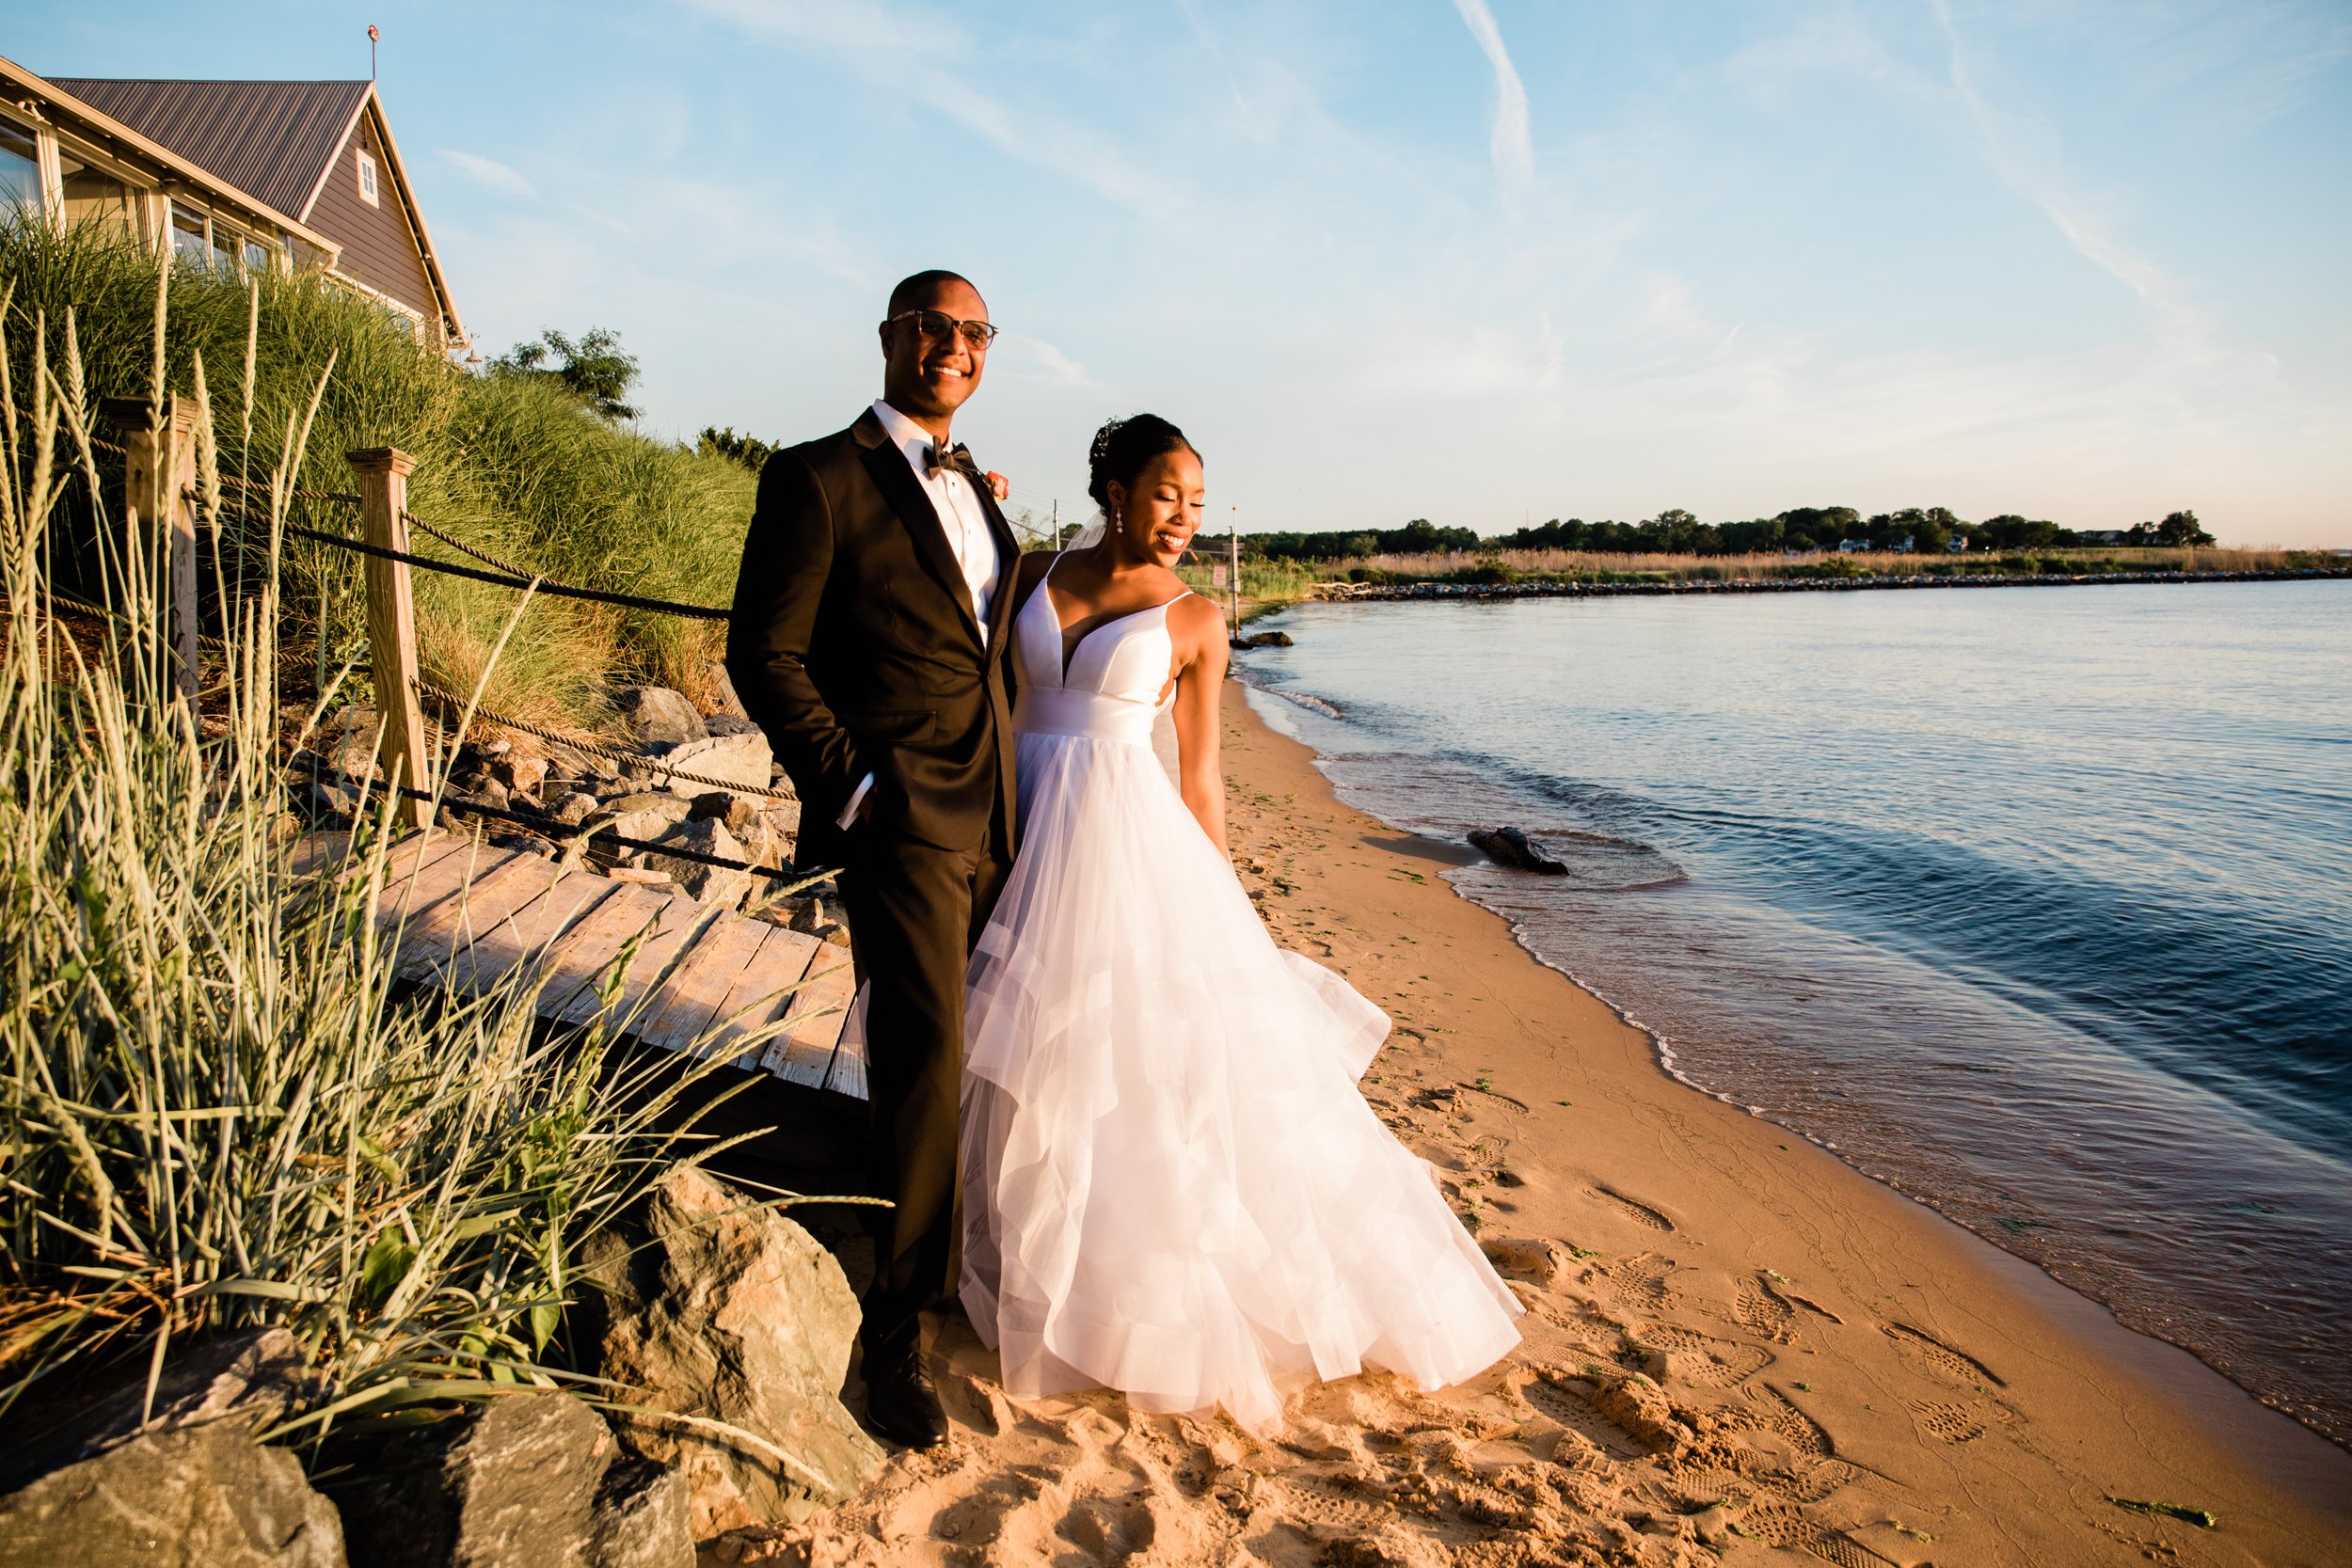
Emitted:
<point x="557" y="829"/>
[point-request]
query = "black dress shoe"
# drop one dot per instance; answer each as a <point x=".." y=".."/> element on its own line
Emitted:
<point x="901" y="1403"/>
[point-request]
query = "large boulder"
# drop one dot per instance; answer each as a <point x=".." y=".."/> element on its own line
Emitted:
<point x="534" y="1480"/>
<point x="743" y="760"/>
<point x="203" y="1496"/>
<point x="734" y="1317"/>
<point x="646" y="814"/>
<point x="657" y="713"/>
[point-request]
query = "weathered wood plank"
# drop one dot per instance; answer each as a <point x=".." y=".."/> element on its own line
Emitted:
<point x="669" y="932"/>
<point x="433" y="876"/>
<point x="813" y="1022"/>
<point x="437" y="940"/>
<point x="530" y="934"/>
<point x="592" y="945"/>
<point x="760" y="993"/>
<point x="704" y="982"/>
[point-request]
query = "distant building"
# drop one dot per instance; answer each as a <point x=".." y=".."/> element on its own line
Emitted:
<point x="283" y="175"/>
<point x="1956" y="544"/>
<point x="2103" y="536"/>
<point x="1848" y="547"/>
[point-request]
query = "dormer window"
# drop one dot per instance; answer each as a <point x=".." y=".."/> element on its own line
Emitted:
<point x="366" y="177"/>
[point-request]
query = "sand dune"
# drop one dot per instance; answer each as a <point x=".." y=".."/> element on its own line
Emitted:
<point x="1736" y="1350"/>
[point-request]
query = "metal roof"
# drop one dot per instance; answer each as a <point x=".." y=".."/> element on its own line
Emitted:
<point x="274" y="140"/>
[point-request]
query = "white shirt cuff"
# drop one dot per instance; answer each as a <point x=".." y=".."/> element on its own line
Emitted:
<point x="857" y="799"/>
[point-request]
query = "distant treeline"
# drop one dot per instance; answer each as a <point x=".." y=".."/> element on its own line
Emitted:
<point x="1931" y="529"/>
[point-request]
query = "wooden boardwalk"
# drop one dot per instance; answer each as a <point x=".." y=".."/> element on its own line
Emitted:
<point x="468" y="915"/>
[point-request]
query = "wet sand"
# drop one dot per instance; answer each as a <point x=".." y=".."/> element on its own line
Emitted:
<point x="1737" y="1349"/>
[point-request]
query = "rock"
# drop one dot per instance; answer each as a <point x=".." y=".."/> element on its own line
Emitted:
<point x="1266" y="639"/>
<point x="642" y="1519"/>
<point x="731" y="760"/>
<point x="254" y="1377"/>
<point x="782" y="817"/>
<point x="646" y="814"/>
<point x="722" y="688"/>
<point x="657" y="713"/>
<point x="808" y="916"/>
<point x="482" y="788"/>
<point x="706" y="836"/>
<point x="1509" y="847"/>
<point x="348" y="742"/>
<point x="739" y="814"/>
<point x="573" y="808"/>
<point x="727" y="723"/>
<point x="200" y="1495"/>
<point x="537" y="1478"/>
<point x="521" y="775"/>
<point x="733" y="1313"/>
<point x="323" y="801"/>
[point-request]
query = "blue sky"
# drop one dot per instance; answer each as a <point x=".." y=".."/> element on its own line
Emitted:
<point x="1476" y="260"/>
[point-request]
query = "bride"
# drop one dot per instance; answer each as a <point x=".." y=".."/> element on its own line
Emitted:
<point x="1172" y="1186"/>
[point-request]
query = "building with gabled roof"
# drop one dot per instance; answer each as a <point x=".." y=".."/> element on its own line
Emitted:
<point x="279" y="175"/>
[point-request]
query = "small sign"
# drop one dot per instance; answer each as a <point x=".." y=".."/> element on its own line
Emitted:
<point x="1216" y="574"/>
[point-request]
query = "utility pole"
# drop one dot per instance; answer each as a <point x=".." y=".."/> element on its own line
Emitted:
<point x="1057" y="523"/>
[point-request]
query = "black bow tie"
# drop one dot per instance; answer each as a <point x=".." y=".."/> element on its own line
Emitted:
<point x="959" y="460"/>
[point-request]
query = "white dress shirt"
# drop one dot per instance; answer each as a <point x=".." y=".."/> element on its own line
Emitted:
<point x="965" y="522"/>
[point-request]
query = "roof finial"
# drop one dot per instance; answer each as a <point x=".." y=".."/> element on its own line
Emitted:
<point x="373" y="35"/>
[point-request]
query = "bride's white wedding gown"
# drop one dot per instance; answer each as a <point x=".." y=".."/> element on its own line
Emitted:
<point x="1172" y="1186"/>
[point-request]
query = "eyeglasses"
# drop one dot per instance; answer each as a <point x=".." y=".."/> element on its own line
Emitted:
<point x="938" y="324"/>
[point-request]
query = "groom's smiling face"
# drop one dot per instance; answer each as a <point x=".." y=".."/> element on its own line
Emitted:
<point x="925" y="376"/>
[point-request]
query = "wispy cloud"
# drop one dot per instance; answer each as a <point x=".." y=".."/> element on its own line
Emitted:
<point x="487" y="172"/>
<point x="1514" y="154"/>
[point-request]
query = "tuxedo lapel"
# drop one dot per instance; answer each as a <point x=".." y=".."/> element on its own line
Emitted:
<point x="896" y="480"/>
<point x="1008" y="566"/>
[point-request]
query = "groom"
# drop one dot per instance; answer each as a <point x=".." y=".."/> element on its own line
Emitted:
<point x="867" y="640"/>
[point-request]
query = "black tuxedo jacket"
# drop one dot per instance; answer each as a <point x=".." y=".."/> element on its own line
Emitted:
<point x="854" y="647"/>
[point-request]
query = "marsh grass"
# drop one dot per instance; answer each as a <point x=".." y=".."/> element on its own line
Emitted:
<point x="219" y="1107"/>
<point x="512" y="464"/>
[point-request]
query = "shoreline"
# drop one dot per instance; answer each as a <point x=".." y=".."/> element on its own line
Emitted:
<point x="2165" y="1385"/>
<point x="1736" y="1348"/>
<point x="1359" y="592"/>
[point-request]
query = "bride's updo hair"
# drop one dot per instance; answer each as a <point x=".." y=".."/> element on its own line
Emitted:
<point x="1123" y="448"/>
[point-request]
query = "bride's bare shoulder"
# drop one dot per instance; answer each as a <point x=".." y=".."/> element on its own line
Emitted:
<point x="1197" y="624"/>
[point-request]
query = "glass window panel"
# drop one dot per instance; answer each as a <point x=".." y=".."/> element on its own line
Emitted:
<point x="188" y="240"/>
<point x="256" y="256"/>
<point x="224" y="251"/>
<point x="91" y="197"/>
<point x="19" y="166"/>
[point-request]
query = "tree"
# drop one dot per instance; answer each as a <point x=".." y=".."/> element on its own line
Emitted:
<point x="593" y="369"/>
<point x="750" y="450"/>
<point x="2180" y="528"/>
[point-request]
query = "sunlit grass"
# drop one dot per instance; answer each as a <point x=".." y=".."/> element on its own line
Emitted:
<point x="219" y="1105"/>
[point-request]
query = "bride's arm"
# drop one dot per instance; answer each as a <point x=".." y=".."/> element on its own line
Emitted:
<point x="1201" y="646"/>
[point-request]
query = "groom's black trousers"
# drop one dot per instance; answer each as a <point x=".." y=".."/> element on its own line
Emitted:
<point x="914" y="912"/>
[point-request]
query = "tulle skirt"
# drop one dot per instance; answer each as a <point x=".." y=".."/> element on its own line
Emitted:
<point x="1172" y="1186"/>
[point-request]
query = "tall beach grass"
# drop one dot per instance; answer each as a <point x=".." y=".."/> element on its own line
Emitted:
<point x="512" y="464"/>
<point x="219" y="1105"/>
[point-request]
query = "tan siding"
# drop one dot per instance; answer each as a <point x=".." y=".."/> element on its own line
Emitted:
<point x="379" y="249"/>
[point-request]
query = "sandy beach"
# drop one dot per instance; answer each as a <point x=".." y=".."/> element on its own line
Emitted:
<point x="1736" y="1348"/>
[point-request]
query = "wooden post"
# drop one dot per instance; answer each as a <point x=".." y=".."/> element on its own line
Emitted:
<point x="158" y="465"/>
<point x="1236" y="589"/>
<point x="382" y="475"/>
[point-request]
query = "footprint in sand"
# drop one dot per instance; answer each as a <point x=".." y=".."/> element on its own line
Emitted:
<point x="1763" y="1312"/>
<point x="1694" y="1357"/>
<point x="1639" y="1282"/>
<point x="1782" y="1525"/>
<point x="1638" y="1213"/>
<point x="1958" y="1423"/>
<point x="1957" y="1365"/>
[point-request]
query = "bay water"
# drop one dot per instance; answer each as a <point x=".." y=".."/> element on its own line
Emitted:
<point x="2035" y="903"/>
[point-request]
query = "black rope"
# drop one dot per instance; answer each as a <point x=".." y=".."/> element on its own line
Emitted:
<point x="561" y="829"/>
<point x="503" y="580"/>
